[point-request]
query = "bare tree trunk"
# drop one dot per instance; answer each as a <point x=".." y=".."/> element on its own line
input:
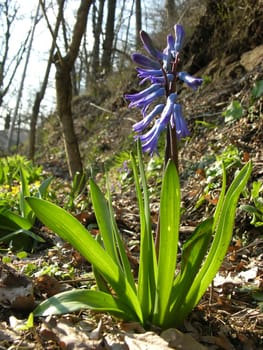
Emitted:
<point x="109" y="38"/>
<point x="97" y="30"/>
<point x="138" y="10"/>
<point x="64" y="66"/>
<point x="40" y="94"/>
<point x="11" y="129"/>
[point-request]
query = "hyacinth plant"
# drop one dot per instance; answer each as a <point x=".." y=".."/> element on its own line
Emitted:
<point x="164" y="293"/>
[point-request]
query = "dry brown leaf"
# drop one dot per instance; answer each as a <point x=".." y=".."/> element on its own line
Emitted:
<point x="16" y="289"/>
<point x="182" y="341"/>
<point x="145" y="341"/>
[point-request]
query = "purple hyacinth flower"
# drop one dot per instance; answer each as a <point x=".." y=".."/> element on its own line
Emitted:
<point x="149" y="47"/>
<point x="179" y="37"/>
<point x="162" y="80"/>
<point x="179" y="121"/>
<point x="168" y="53"/>
<point x="145" y="61"/>
<point x="149" y="74"/>
<point x="141" y="125"/>
<point x="150" y="139"/>
<point x="192" y="82"/>
<point x="161" y="70"/>
<point x="144" y="98"/>
<point x="144" y="93"/>
<point x="168" y="110"/>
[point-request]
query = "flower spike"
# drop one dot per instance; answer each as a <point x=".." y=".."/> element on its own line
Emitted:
<point x="161" y="71"/>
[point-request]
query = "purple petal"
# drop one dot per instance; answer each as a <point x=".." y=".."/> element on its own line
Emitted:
<point x="192" y="82"/>
<point x="149" y="47"/>
<point x="168" y="110"/>
<point x="150" y="139"/>
<point x="179" y="122"/>
<point x="141" y="125"/>
<point x="144" y="98"/>
<point x="148" y="72"/>
<point x="179" y="37"/>
<point x="145" y="61"/>
<point x="139" y="95"/>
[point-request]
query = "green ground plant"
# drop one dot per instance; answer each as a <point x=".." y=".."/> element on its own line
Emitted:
<point x="165" y="292"/>
<point x="16" y="222"/>
<point x="157" y="297"/>
<point x="255" y="209"/>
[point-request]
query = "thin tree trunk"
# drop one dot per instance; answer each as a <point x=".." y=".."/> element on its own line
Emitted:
<point x="171" y="13"/>
<point x="64" y="66"/>
<point x="138" y="10"/>
<point x="11" y="129"/>
<point x="109" y="38"/>
<point x="97" y="30"/>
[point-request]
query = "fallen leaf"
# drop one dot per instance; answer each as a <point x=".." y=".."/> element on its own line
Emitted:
<point x="182" y="341"/>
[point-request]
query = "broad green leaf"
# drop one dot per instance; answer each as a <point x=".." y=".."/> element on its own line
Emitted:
<point x="194" y="252"/>
<point x="104" y="220"/>
<point x="169" y="232"/>
<point x="123" y="258"/>
<point x="78" y="299"/>
<point x="22" y="231"/>
<point x="221" y="198"/>
<point x="11" y="221"/>
<point x="44" y="186"/>
<point x="147" y="266"/>
<point x="257" y="89"/>
<point x="71" y="230"/>
<point x="25" y="208"/>
<point x="220" y="244"/>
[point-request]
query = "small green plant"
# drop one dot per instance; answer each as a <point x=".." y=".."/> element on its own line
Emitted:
<point x="164" y="293"/>
<point x="9" y="170"/>
<point x="257" y="90"/>
<point x="206" y="80"/>
<point x="233" y="112"/>
<point x="15" y="227"/>
<point x="255" y="210"/>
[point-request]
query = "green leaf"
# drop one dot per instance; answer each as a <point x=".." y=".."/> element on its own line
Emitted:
<point x="71" y="230"/>
<point x="233" y="112"/>
<point x="76" y="300"/>
<point x="44" y="186"/>
<point x="221" y="197"/>
<point x="31" y="234"/>
<point x="104" y="220"/>
<point x="11" y="221"/>
<point x="25" y="208"/>
<point x="148" y="265"/>
<point x="257" y="89"/>
<point x="220" y="244"/>
<point x="123" y="258"/>
<point x="194" y="252"/>
<point x="169" y="232"/>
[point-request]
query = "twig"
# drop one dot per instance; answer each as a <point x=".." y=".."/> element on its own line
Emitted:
<point x="101" y="108"/>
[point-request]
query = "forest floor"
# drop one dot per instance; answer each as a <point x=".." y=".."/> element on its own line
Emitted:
<point x="229" y="315"/>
